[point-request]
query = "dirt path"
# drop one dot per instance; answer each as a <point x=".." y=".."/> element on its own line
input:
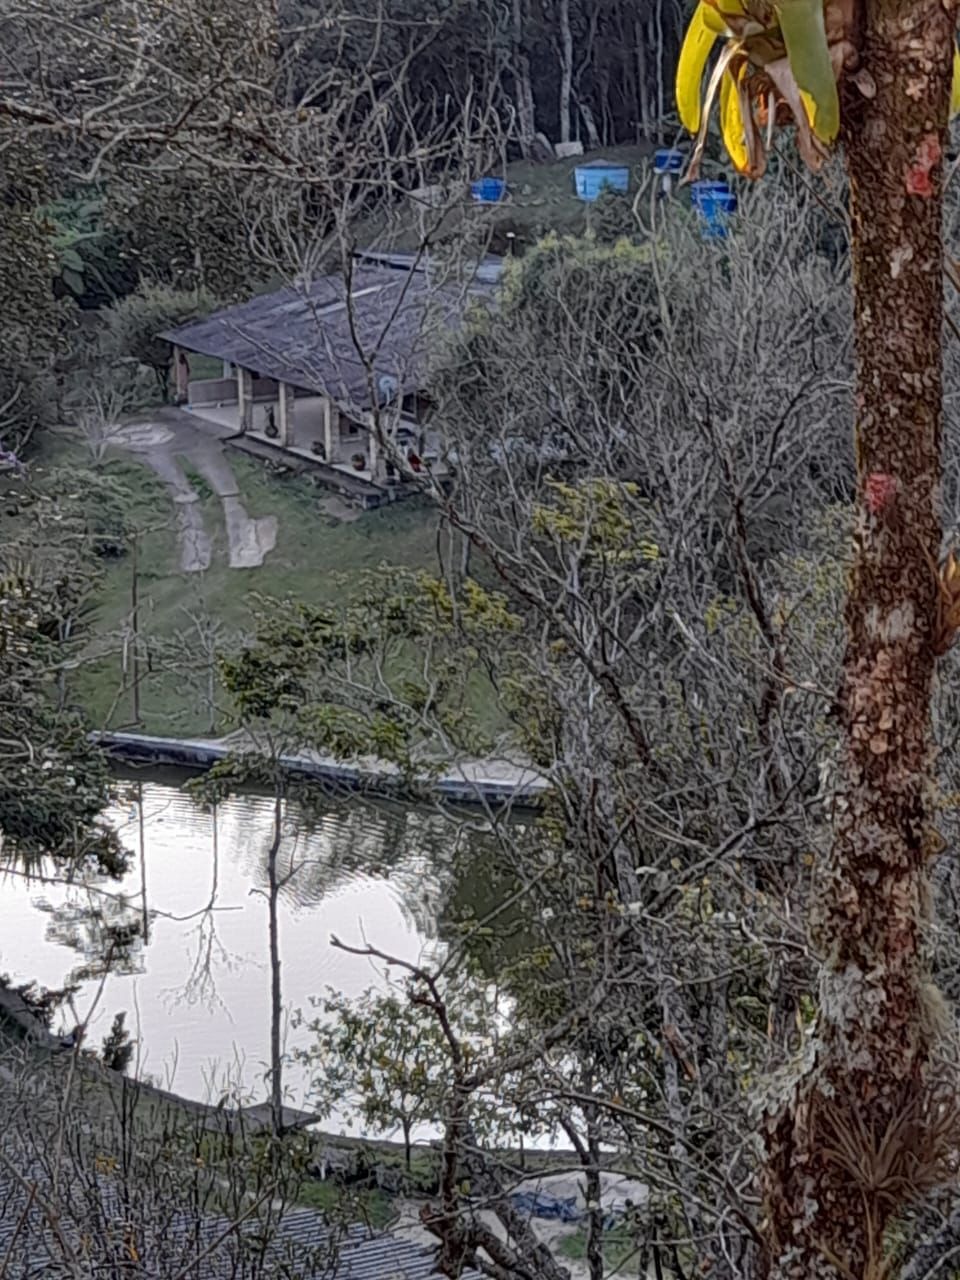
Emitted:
<point x="160" y="446"/>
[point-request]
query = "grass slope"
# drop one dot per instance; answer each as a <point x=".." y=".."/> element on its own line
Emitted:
<point x="175" y="608"/>
<point x="542" y="198"/>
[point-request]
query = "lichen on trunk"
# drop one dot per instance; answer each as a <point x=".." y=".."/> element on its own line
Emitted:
<point x="860" y="1129"/>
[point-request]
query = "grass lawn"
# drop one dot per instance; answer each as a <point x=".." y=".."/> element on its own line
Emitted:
<point x="312" y="547"/>
<point x="542" y="198"/>
<point x="619" y="1248"/>
<point x="373" y="1207"/>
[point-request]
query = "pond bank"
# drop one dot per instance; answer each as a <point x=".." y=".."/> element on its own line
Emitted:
<point x="482" y="783"/>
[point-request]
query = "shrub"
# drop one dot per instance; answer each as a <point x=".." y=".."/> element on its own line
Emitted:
<point x="134" y="323"/>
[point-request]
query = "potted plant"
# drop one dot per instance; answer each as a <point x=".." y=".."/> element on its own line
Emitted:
<point x="359" y="461"/>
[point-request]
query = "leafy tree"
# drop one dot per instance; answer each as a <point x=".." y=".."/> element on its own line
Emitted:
<point x="35" y="323"/>
<point x="133" y="325"/>
<point x="180" y="225"/>
<point x="118" y="1048"/>
<point x="89" y="257"/>
<point x="378" y="1056"/>
<point x="618" y="461"/>
<point x="54" y="783"/>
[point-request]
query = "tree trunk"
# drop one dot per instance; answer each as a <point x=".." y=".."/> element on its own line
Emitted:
<point x="643" y="97"/>
<point x="566" y="69"/>
<point x="520" y="65"/>
<point x="594" y="1193"/>
<point x="830" y="1192"/>
<point x="276" y="1005"/>
<point x="590" y="124"/>
<point x="658" y="42"/>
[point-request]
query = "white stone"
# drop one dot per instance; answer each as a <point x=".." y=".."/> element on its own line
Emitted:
<point x="564" y="150"/>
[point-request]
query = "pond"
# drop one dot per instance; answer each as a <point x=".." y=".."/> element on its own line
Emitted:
<point x="196" y="988"/>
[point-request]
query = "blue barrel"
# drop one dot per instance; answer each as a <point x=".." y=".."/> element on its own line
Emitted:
<point x="714" y="202"/>
<point x="591" y="178"/>
<point x="667" y="160"/>
<point x="488" y="190"/>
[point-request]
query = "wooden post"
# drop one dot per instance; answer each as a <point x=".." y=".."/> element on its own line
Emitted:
<point x="373" y="455"/>
<point x="285" y="415"/>
<point x="135" y="625"/>
<point x="328" y="428"/>
<point x="181" y="375"/>
<point x="245" y="398"/>
<point x="145" y="914"/>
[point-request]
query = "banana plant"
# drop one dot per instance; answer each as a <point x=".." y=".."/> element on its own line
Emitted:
<point x="780" y="63"/>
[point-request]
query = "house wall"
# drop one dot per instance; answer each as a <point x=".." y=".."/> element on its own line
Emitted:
<point x="348" y="438"/>
<point x="213" y="391"/>
<point x="265" y="389"/>
<point x="224" y="390"/>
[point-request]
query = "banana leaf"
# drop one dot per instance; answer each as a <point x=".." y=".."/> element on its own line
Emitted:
<point x="731" y="123"/>
<point x="804" y="34"/>
<point x="811" y="149"/>
<point x="697" y="44"/>
<point x="728" y="53"/>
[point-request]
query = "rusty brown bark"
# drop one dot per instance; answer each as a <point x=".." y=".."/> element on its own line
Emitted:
<point x="852" y="1137"/>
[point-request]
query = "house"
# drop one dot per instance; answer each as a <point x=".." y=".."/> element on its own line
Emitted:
<point x="334" y="371"/>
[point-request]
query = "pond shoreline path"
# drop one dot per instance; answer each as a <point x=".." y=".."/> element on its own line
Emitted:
<point x="481" y="783"/>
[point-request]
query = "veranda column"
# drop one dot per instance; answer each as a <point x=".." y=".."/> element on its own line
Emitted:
<point x="181" y="373"/>
<point x="373" y="456"/>
<point x="285" y="410"/>
<point x="328" y="428"/>
<point x="245" y="398"/>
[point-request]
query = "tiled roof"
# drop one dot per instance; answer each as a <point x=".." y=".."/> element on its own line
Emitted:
<point x="162" y="1242"/>
<point x="310" y="337"/>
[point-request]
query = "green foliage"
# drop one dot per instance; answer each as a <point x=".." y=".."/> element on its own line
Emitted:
<point x="343" y="679"/>
<point x="368" y="1205"/>
<point x="564" y="297"/>
<point x="34" y="323"/>
<point x="619" y="1248"/>
<point x="53" y="783"/>
<point x="611" y="217"/>
<point x="42" y="1002"/>
<point x="117" y="1050"/>
<point x="89" y="258"/>
<point x="185" y="225"/>
<point x="388" y="1056"/>
<point x="132" y="325"/>
<point x="381" y="1054"/>
<point x="597" y="515"/>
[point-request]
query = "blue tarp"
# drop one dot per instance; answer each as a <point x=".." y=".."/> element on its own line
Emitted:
<point x="540" y="1204"/>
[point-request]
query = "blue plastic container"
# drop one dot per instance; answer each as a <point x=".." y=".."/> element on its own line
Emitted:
<point x="488" y="190"/>
<point x="591" y="178"/>
<point x="714" y="202"/>
<point x="667" y="160"/>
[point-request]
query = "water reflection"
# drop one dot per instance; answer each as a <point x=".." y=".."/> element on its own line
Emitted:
<point x="189" y="924"/>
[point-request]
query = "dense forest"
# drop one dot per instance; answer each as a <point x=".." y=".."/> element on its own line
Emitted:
<point x="683" y="555"/>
